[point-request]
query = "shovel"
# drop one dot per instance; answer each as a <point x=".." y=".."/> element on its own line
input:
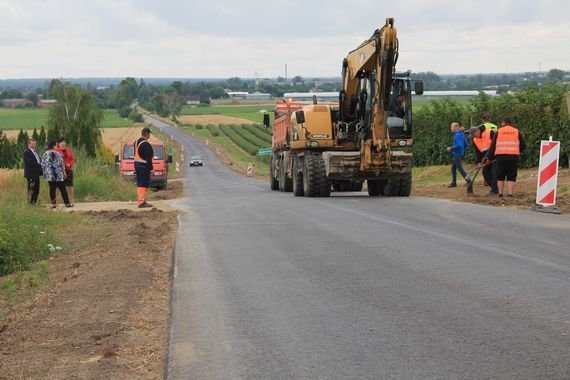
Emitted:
<point x="470" y="178"/>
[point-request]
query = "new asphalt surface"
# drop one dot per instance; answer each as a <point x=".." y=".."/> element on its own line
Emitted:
<point x="272" y="286"/>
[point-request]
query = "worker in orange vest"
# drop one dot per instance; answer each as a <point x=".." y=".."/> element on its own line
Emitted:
<point x="482" y="139"/>
<point x="143" y="166"/>
<point x="506" y="148"/>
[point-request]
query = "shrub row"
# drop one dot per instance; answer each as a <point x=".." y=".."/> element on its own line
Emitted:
<point x="246" y="135"/>
<point x="268" y="131"/>
<point x="257" y="133"/>
<point x="538" y="112"/>
<point x="214" y="131"/>
<point x="238" y="139"/>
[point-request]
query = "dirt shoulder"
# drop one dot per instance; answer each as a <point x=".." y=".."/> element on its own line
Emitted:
<point x="432" y="182"/>
<point x="103" y="311"/>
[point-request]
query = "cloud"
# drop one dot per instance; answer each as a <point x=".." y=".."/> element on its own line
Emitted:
<point x="212" y="38"/>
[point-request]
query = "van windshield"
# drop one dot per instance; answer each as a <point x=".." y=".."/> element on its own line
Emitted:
<point x="129" y="152"/>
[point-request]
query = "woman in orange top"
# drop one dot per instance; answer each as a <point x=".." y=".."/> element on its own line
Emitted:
<point x="68" y="161"/>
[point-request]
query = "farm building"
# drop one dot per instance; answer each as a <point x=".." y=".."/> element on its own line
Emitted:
<point x="46" y="103"/>
<point x="16" y="103"/>
<point x="192" y="100"/>
<point x="246" y="95"/>
<point x="237" y="94"/>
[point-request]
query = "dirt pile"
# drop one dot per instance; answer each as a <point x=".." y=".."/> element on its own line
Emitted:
<point x="524" y="196"/>
<point x="104" y="312"/>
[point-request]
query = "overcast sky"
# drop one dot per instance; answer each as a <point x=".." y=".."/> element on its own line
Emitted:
<point x="248" y="38"/>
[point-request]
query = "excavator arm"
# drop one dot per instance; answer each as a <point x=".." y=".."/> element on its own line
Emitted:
<point x="365" y="97"/>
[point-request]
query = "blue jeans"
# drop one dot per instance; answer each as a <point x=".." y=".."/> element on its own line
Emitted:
<point x="456" y="166"/>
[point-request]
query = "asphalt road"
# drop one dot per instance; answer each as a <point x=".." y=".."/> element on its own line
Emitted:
<point x="269" y="286"/>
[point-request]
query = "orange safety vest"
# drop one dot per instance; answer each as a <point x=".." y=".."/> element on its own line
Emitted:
<point x="484" y="142"/>
<point x="136" y="146"/>
<point x="508" y="141"/>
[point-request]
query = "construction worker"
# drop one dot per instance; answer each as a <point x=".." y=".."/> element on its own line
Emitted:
<point x="143" y="166"/>
<point x="486" y="122"/>
<point x="506" y="148"/>
<point x="460" y="143"/>
<point x="482" y="139"/>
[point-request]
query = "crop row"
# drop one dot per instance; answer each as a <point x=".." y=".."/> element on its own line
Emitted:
<point x="238" y="139"/>
<point x="258" y="133"/>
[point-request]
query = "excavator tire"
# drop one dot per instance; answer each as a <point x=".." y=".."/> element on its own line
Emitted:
<point x="325" y="188"/>
<point x="311" y="176"/>
<point x="405" y="186"/>
<point x="273" y="182"/>
<point x="298" y="184"/>
<point x="375" y="187"/>
<point x="392" y="187"/>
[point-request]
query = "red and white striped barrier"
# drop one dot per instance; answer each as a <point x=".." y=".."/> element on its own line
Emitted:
<point x="177" y="167"/>
<point x="547" y="173"/>
<point x="249" y="170"/>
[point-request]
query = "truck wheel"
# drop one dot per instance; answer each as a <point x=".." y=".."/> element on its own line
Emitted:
<point x="375" y="187"/>
<point x="285" y="183"/>
<point x="325" y="187"/>
<point x="392" y="187"/>
<point x="273" y="182"/>
<point x="311" y="174"/>
<point x="298" y="184"/>
<point x="406" y="186"/>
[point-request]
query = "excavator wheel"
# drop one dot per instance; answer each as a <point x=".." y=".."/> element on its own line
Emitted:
<point x="298" y="184"/>
<point x="392" y="187"/>
<point x="273" y="182"/>
<point x="405" y="186"/>
<point x="311" y="176"/>
<point x="375" y="187"/>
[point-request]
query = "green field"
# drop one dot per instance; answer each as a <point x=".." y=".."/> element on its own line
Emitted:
<point x="245" y="112"/>
<point x="419" y="102"/>
<point x="30" y="118"/>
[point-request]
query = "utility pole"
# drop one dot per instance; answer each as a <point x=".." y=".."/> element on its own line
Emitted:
<point x="285" y="73"/>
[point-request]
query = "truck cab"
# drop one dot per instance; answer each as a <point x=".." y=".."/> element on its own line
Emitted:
<point x="160" y="161"/>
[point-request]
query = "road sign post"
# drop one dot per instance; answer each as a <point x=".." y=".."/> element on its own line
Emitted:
<point x="263" y="152"/>
<point x="547" y="177"/>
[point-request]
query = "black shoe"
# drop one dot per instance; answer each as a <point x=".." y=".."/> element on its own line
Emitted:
<point x="68" y="205"/>
<point x="500" y="195"/>
<point x="452" y="185"/>
<point x="510" y="195"/>
<point x="145" y="205"/>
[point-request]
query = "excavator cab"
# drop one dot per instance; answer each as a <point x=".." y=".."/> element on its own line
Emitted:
<point x="399" y="119"/>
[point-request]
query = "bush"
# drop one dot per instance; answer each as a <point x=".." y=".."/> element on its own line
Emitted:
<point x="124" y="111"/>
<point x="198" y="126"/>
<point x="246" y="135"/>
<point x="135" y="116"/>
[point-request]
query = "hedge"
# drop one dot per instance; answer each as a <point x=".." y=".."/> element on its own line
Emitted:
<point x="238" y="139"/>
<point x="257" y="133"/>
<point x="538" y="112"/>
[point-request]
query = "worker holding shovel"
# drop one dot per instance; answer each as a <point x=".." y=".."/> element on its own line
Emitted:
<point x="482" y="138"/>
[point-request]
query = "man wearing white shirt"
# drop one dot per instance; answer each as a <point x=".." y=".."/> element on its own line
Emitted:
<point x="32" y="170"/>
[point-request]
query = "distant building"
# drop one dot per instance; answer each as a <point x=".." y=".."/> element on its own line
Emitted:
<point x="192" y="100"/>
<point x="17" y="103"/>
<point x="46" y="103"/>
<point x="258" y="96"/>
<point x="237" y="94"/>
<point x="308" y="96"/>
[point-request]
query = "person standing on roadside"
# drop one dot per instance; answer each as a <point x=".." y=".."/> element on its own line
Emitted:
<point x="458" y="150"/>
<point x="482" y="138"/>
<point x="32" y="170"/>
<point x="487" y="123"/>
<point x="68" y="161"/>
<point x="506" y="148"/>
<point x="54" y="173"/>
<point x="143" y="166"/>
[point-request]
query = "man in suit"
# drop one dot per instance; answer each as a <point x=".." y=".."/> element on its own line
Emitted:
<point x="32" y="170"/>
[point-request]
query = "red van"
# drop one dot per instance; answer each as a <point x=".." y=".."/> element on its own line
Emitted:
<point x="160" y="161"/>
